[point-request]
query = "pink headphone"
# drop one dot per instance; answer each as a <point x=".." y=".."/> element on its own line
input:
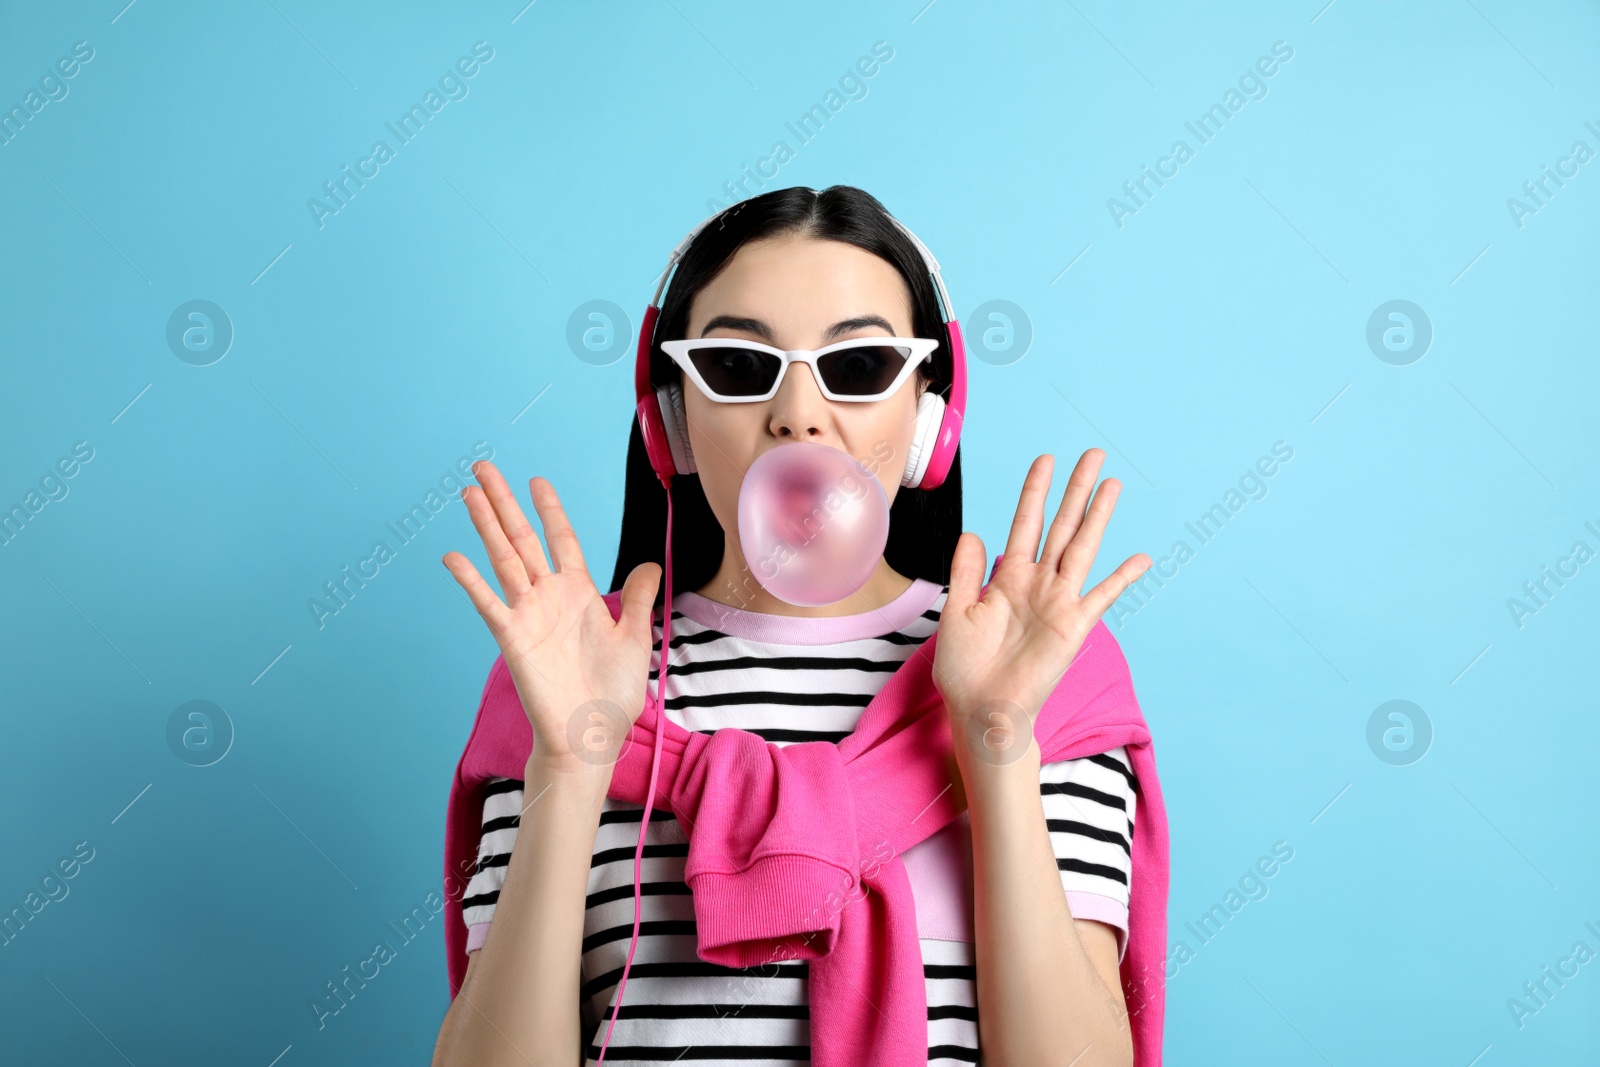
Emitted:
<point x="665" y="430"/>
<point x="933" y="444"/>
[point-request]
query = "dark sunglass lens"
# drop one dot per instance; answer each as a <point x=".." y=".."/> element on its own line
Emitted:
<point x="864" y="370"/>
<point x="736" y="371"/>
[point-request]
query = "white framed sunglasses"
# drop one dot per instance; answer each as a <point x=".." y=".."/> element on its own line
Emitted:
<point x="733" y="370"/>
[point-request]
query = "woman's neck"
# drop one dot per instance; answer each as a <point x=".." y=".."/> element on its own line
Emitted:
<point x="734" y="586"/>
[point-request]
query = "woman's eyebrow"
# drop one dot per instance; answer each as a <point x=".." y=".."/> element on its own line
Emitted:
<point x="761" y="329"/>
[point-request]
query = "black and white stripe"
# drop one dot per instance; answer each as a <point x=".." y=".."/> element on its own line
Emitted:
<point x="678" y="1008"/>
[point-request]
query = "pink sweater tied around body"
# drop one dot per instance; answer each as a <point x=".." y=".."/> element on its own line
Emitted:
<point x="794" y="851"/>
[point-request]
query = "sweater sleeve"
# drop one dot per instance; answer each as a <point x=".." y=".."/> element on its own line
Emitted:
<point x="1089" y="809"/>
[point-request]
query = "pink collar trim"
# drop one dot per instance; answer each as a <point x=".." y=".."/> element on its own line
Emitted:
<point x="809" y="630"/>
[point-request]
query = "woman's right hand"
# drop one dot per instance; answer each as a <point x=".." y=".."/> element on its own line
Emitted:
<point x="580" y="674"/>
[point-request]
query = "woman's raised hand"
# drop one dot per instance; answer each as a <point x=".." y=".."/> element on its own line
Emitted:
<point x="1009" y="649"/>
<point x="580" y="674"/>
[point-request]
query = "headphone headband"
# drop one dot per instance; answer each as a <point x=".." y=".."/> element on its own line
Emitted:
<point x="929" y="262"/>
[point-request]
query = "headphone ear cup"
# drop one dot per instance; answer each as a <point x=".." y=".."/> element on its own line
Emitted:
<point x="676" y="425"/>
<point x="930" y="415"/>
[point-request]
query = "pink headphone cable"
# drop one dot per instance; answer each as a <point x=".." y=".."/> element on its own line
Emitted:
<point x="655" y="765"/>
<point x="659" y="427"/>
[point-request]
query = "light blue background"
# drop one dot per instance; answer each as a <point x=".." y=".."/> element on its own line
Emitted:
<point x="1229" y="313"/>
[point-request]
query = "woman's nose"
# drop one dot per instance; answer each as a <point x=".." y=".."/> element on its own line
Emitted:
<point x="799" y="410"/>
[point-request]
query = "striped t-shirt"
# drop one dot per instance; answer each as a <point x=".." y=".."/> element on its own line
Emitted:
<point x="788" y="679"/>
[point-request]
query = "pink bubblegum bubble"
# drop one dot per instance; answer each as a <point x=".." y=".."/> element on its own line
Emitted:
<point x="812" y="523"/>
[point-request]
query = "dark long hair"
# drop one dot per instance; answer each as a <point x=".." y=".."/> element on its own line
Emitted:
<point x="924" y="524"/>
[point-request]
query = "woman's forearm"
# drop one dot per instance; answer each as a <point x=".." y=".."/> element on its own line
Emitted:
<point x="518" y="1004"/>
<point x="1040" y="999"/>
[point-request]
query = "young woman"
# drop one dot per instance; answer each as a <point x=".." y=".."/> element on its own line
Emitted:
<point x="1031" y="976"/>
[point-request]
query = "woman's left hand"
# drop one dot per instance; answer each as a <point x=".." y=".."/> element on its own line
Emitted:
<point x="996" y="660"/>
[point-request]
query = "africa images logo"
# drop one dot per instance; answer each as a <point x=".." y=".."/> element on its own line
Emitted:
<point x="452" y="86"/>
